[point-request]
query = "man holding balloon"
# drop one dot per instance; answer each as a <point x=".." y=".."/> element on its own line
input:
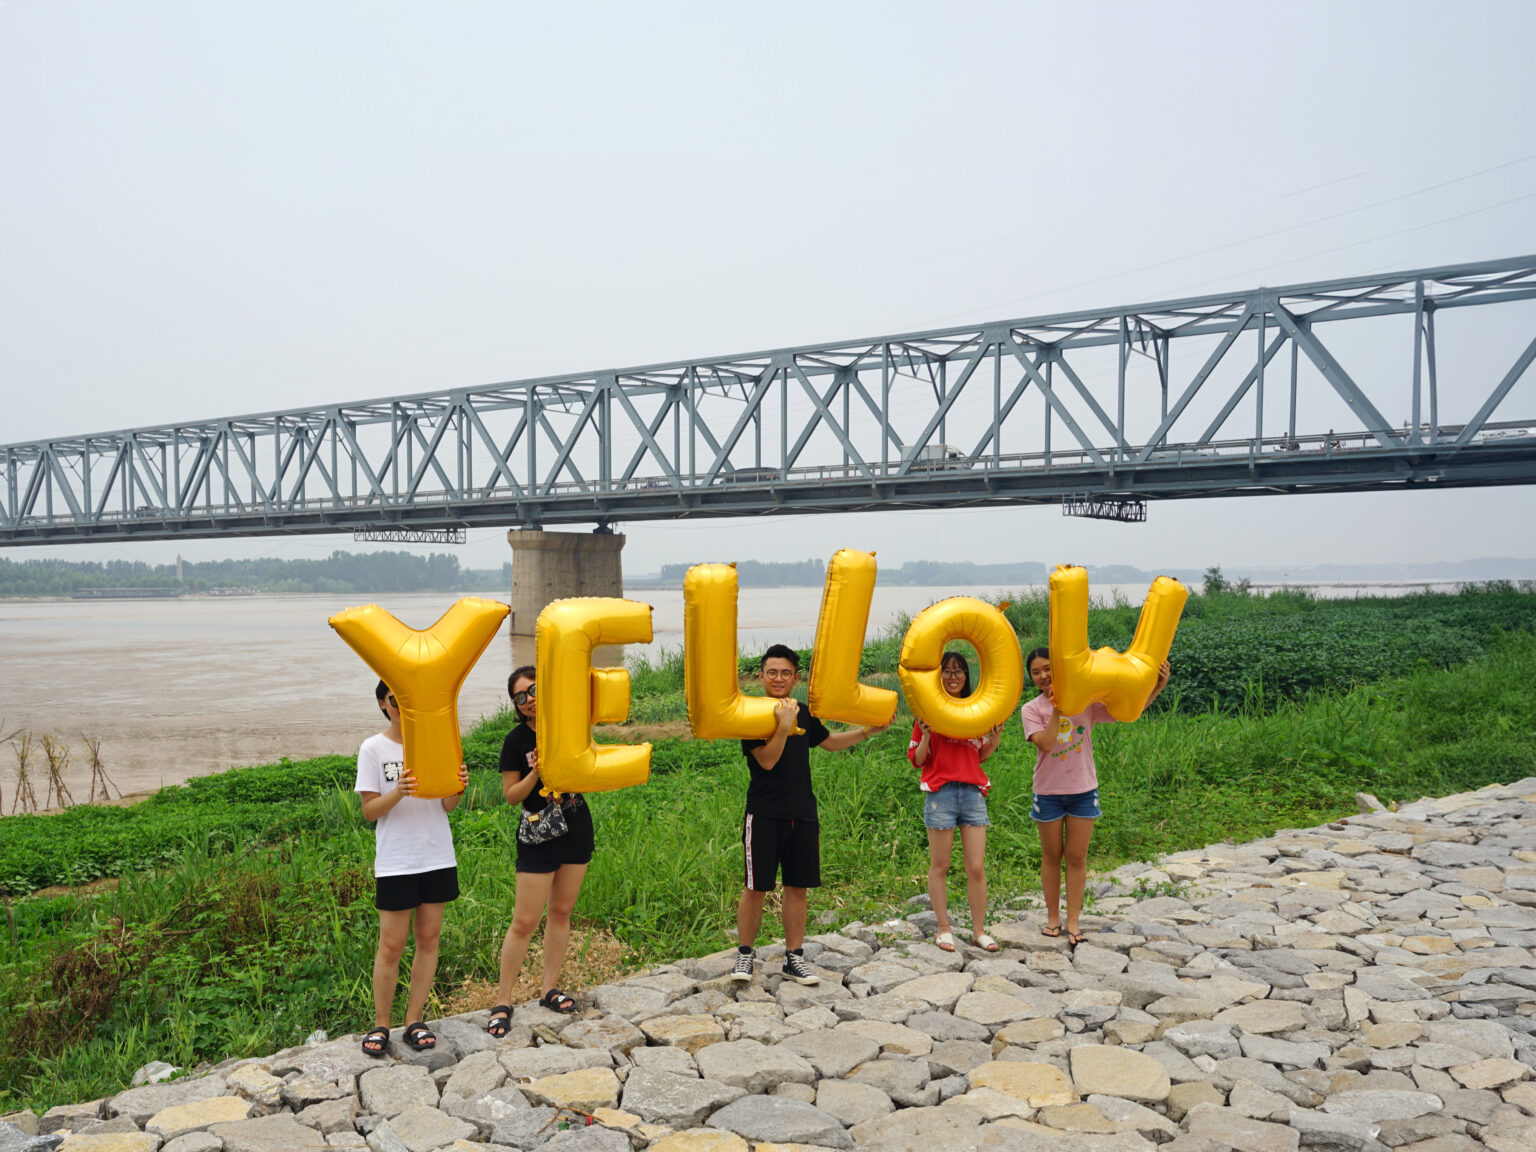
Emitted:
<point x="780" y="832"/>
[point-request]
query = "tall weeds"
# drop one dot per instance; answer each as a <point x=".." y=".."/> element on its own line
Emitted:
<point x="56" y="752"/>
<point x="25" y="796"/>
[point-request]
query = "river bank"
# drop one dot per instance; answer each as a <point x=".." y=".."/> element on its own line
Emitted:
<point x="1363" y="984"/>
<point x="244" y="912"/>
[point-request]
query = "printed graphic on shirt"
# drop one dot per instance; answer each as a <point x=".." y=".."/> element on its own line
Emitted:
<point x="392" y="770"/>
<point x="1069" y="737"/>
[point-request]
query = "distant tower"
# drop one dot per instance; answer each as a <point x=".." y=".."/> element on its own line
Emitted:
<point x="178" y="568"/>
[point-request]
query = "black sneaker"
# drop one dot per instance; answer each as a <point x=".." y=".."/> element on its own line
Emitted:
<point x="741" y="971"/>
<point x="796" y="969"/>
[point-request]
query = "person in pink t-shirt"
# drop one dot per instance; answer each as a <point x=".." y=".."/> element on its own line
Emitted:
<point x="956" y="790"/>
<point x="1066" y="791"/>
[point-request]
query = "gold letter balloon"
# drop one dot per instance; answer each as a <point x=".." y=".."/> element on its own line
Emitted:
<point x="425" y="670"/>
<point x="573" y="695"/>
<point x="1120" y="681"/>
<point x="999" y="682"/>
<point x="834" y="691"/>
<point x="717" y="709"/>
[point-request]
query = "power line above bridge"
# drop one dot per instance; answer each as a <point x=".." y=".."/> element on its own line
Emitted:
<point x="1384" y="382"/>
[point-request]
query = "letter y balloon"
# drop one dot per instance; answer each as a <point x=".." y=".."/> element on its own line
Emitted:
<point x="425" y="670"/>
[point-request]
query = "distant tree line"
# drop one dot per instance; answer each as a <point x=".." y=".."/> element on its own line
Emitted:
<point x="339" y="572"/>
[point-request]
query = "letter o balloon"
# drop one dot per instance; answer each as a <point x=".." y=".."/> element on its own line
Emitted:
<point x="999" y="682"/>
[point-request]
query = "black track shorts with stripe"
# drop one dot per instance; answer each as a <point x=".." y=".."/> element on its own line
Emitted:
<point x="772" y="843"/>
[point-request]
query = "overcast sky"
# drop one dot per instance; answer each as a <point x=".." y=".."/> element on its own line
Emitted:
<point x="213" y="209"/>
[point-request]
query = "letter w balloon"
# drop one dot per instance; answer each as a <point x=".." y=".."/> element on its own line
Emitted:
<point x="425" y="671"/>
<point x="1122" y="682"/>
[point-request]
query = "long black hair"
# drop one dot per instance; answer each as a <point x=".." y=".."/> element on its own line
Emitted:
<point x="965" y="666"/>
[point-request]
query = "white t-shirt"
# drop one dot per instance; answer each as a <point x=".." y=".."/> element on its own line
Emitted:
<point x="414" y="835"/>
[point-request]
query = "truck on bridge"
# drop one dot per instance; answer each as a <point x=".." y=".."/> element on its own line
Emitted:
<point x="933" y="457"/>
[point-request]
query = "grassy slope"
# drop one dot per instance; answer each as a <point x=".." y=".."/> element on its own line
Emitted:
<point x="238" y="948"/>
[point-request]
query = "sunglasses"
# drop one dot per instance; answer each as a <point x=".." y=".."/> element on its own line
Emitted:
<point x="527" y="694"/>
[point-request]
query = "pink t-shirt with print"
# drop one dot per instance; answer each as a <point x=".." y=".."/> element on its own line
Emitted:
<point x="1068" y="768"/>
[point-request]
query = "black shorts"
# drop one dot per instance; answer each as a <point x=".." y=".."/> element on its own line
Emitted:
<point x="402" y="893"/>
<point x="772" y="843"/>
<point x="575" y="847"/>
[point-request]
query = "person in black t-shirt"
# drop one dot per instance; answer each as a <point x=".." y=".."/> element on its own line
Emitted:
<point x="781" y="830"/>
<point x="548" y="874"/>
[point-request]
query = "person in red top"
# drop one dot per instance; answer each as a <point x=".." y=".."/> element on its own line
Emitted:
<point x="957" y="797"/>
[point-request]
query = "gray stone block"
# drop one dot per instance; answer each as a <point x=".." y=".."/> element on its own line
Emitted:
<point x="593" y="1138"/>
<point x="753" y="1067"/>
<point x="14" y="1139"/>
<point x="673" y="1100"/>
<point x="423" y="1129"/>
<point x="390" y="1091"/>
<point x="279" y="1133"/>
<point x="528" y="1129"/>
<point x="852" y="1103"/>
<point x="777" y="1120"/>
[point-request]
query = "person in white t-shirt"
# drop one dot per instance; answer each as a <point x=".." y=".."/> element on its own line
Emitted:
<point x="415" y="874"/>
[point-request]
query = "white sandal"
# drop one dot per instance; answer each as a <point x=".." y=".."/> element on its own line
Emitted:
<point x="945" y="941"/>
<point x="985" y="943"/>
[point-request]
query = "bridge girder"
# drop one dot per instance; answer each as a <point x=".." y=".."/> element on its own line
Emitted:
<point x="1171" y="400"/>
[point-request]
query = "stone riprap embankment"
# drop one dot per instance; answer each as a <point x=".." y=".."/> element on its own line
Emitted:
<point x="1365" y="985"/>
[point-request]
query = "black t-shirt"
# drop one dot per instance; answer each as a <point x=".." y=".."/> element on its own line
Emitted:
<point x="515" y="749"/>
<point x="784" y="791"/>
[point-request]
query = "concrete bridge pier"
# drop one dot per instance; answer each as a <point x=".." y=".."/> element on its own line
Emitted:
<point x="556" y="566"/>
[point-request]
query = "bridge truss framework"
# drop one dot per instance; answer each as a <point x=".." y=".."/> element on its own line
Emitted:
<point x="1223" y="395"/>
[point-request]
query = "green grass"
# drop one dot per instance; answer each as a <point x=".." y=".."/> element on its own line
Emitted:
<point x="244" y="915"/>
<point x="1233" y="650"/>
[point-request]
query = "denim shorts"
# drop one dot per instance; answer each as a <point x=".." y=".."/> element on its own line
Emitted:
<point x="955" y="804"/>
<point x="1083" y="805"/>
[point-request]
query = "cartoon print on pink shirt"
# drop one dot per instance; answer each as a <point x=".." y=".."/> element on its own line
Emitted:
<point x="1069" y="737"/>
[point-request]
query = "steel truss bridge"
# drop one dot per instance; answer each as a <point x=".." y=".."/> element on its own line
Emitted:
<point x="1416" y="379"/>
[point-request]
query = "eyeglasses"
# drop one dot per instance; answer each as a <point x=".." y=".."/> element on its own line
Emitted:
<point x="960" y="672"/>
<point x="393" y="703"/>
<point x="527" y="694"/>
